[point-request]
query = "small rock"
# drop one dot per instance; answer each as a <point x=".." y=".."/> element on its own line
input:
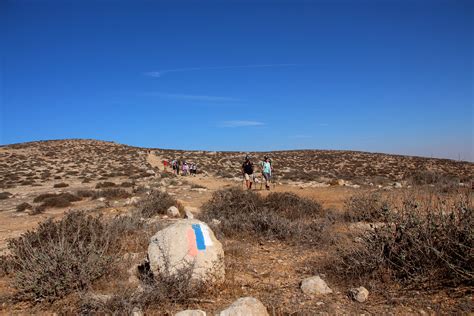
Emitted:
<point x="397" y="185"/>
<point x="315" y="285"/>
<point x="245" y="306"/>
<point x="359" y="294"/>
<point x="136" y="311"/>
<point x="190" y="211"/>
<point x="215" y="222"/>
<point x="341" y="182"/>
<point x="101" y="199"/>
<point x="173" y="211"/>
<point x="319" y="303"/>
<point x="191" y="312"/>
<point x="132" y="201"/>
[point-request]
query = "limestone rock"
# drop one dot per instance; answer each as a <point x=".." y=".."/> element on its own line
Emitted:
<point x="359" y="294"/>
<point x="245" y="306"/>
<point x="187" y="244"/>
<point x="315" y="285"/>
<point x="173" y="211"/>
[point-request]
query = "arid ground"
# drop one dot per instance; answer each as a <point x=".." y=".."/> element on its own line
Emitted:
<point x="46" y="180"/>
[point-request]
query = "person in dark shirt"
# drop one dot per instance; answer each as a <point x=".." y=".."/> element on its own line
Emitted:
<point x="247" y="172"/>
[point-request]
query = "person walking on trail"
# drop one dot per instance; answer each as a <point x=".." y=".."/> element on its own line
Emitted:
<point x="247" y="171"/>
<point x="267" y="171"/>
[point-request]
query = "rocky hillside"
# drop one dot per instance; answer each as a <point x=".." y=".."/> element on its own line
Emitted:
<point x="30" y="164"/>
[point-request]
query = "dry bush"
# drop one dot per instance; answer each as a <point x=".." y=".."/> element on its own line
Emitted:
<point x="114" y="193"/>
<point x="85" y="193"/>
<point x="105" y="184"/>
<point x="156" y="203"/>
<point x="23" y="206"/>
<point x="127" y="184"/>
<point x="59" y="257"/>
<point x="65" y="256"/>
<point x="162" y="292"/>
<point x="427" y="242"/>
<point x="284" y="216"/>
<point x="4" y="195"/>
<point x="61" y="185"/>
<point x="365" y="206"/>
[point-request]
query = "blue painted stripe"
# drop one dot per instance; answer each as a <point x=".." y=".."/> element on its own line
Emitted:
<point x="199" y="237"/>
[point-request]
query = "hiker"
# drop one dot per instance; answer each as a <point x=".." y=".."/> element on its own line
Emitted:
<point x="193" y="169"/>
<point x="177" y="167"/>
<point x="247" y="172"/>
<point x="267" y="171"/>
<point x="185" y="168"/>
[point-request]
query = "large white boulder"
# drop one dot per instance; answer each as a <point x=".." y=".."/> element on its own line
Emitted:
<point x="245" y="306"/>
<point x="187" y="244"/>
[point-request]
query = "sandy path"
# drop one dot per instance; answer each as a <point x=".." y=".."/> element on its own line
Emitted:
<point x="155" y="161"/>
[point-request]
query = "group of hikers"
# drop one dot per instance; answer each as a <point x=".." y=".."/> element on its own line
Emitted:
<point x="184" y="167"/>
<point x="248" y="171"/>
<point x="249" y="175"/>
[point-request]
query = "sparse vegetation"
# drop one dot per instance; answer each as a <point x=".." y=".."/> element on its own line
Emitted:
<point x="426" y="241"/>
<point x="366" y="206"/>
<point x="112" y="193"/>
<point x="156" y="203"/>
<point x="23" y="206"/>
<point x="61" y="185"/>
<point x="106" y="184"/>
<point x="283" y="216"/>
<point x="4" y="195"/>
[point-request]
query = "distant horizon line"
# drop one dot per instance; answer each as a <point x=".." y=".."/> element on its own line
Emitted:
<point x="236" y="151"/>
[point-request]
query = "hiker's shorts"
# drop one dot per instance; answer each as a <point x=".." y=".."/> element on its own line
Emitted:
<point x="248" y="177"/>
<point x="267" y="176"/>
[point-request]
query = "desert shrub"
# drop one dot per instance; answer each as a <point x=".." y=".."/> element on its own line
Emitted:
<point x="127" y="184"/>
<point x="366" y="206"/>
<point x="284" y="216"/>
<point x="57" y="200"/>
<point x="426" y="242"/>
<point x="442" y="181"/>
<point x="85" y="193"/>
<point x="197" y="186"/>
<point x="106" y="184"/>
<point x="61" y="185"/>
<point x="4" y="195"/>
<point x="59" y="257"/>
<point x="113" y="193"/>
<point x="161" y="291"/>
<point x="156" y="203"/>
<point x="291" y="206"/>
<point x="23" y="206"/>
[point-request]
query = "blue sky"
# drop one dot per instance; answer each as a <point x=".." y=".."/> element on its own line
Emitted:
<point x="380" y="76"/>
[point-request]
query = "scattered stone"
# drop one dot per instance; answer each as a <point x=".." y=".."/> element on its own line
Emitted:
<point x="101" y="199"/>
<point x="359" y="294"/>
<point x="315" y="285"/>
<point x="137" y="311"/>
<point x="341" y="182"/>
<point x="173" y="211"/>
<point x="189" y="210"/>
<point x="191" y="312"/>
<point x="215" y="222"/>
<point x="397" y="185"/>
<point x="188" y="243"/>
<point x="245" y="306"/>
<point x="132" y="201"/>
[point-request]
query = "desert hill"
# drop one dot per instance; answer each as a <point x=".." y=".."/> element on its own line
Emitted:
<point x="85" y="211"/>
<point x="30" y="164"/>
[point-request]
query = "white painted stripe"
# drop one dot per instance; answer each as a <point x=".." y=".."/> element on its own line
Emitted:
<point x="207" y="237"/>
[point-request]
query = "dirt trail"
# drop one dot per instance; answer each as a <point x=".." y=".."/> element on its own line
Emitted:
<point x="155" y="161"/>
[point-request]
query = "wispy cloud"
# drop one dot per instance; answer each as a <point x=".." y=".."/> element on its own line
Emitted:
<point x="192" y="97"/>
<point x="161" y="73"/>
<point x="240" y="123"/>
